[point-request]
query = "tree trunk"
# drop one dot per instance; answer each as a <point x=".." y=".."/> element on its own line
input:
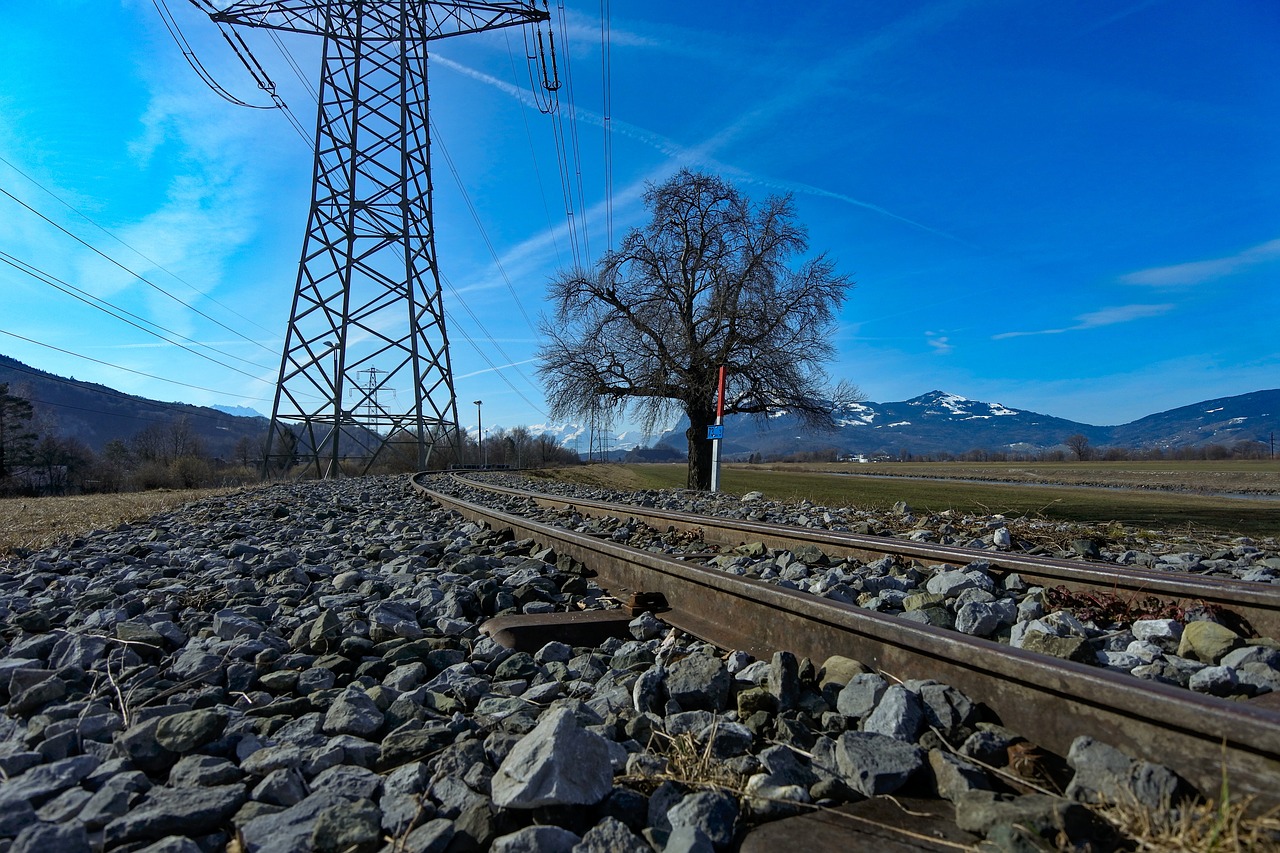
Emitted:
<point x="699" y="451"/>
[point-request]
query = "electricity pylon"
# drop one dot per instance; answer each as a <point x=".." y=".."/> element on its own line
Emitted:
<point x="368" y="287"/>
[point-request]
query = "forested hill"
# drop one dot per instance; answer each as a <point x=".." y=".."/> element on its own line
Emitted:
<point x="96" y="414"/>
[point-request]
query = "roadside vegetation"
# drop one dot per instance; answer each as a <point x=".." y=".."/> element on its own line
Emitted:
<point x="1139" y="507"/>
<point x="34" y="523"/>
<point x="36" y="461"/>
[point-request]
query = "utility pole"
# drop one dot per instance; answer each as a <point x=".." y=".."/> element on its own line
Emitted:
<point x="368" y="277"/>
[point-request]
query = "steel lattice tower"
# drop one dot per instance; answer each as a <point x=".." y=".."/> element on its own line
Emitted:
<point x="367" y="300"/>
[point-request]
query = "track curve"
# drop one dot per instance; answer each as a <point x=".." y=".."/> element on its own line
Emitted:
<point x="1048" y="700"/>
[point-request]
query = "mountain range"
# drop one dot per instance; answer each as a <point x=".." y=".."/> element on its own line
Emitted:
<point x="936" y="422"/>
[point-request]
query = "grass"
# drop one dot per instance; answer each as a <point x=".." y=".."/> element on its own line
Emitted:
<point x="1256" y="476"/>
<point x="1226" y="825"/>
<point x="1142" y="508"/>
<point x="36" y="523"/>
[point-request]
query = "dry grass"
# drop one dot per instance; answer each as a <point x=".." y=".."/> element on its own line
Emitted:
<point x="1224" y="826"/>
<point x="1234" y="476"/>
<point x="1162" y="511"/>
<point x="36" y="523"/>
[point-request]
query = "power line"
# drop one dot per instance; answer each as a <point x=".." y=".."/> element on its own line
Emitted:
<point x="131" y="248"/>
<point x="140" y="277"/>
<point x="189" y="54"/>
<point x="573" y="129"/>
<point x="106" y="390"/>
<point x="475" y="216"/>
<point x="498" y="370"/>
<point x="606" y="66"/>
<point x="293" y="64"/>
<point x="533" y="155"/>
<point x="93" y="301"/>
<point x="497" y="346"/>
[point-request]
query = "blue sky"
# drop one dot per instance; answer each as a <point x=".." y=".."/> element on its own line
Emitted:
<point x="1064" y="207"/>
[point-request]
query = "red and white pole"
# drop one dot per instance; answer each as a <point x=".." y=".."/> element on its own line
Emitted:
<point x="715" y="442"/>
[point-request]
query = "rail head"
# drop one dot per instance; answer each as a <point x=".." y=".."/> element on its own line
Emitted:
<point x="1192" y="733"/>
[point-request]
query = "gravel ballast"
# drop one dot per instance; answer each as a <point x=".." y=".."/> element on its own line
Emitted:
<point x="300" y="667"/>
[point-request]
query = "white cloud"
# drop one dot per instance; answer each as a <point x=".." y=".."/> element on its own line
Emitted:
<point x="940" y="344"/>
<point x="498" y="369"/>
<point x="1199" y="272"/>
<point x="1095" y="319"/>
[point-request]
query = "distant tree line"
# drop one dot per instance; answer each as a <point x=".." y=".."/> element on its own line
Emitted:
<point x="1235" y="450"/>
<point x="1068" y="452"/>
<point x="34" y="460"/>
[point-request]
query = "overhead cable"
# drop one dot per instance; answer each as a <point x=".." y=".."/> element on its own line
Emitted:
<point x="137" y="275"/>
<point x="95" y="302"/>
<point x="189" y="54"/>
<point x="114" y="367"/>
<point x="537" y="171"/>
<point x="475" y="216"/>
<point x="131" y="248"/>
<point x="606" y="66"/>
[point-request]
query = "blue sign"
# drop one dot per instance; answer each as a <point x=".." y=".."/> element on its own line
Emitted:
<point x="715" y="431"/>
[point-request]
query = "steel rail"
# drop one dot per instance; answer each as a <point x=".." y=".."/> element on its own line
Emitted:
<point x="1256" y="604"/>
<point x="1045" y="699"/>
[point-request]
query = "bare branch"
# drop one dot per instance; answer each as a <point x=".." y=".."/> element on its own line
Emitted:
<point x="709" y="281"/>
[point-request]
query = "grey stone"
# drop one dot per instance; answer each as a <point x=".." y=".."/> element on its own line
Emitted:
<point x="1214" y="680"/>
<point x="189" y="730"/>
<point x="899" y="714"/>
<point x="192" y="770"/>
<point x="712" y="813"/>
<point x="347" y="781"/>
<point x="1164" y="633"/>
<point x="536" y="839"/>
<point x="176" y="811"/>
<point x="557" y="763"/>
<point x="432" y="837"/>
<point x="953" y="775"/>
<point x="353" y="713"/>
<point x="351" y="825"/>
<point x="288" y="831"/>
<point x="1252" y="655"/>
<point x="771" y="796"/>
<point x="228" y="624"/>
<point x="46" y="781"/>
<point x="784" y="679"/>
<point x="950" y="583"/>
<point x="861" y="695"/>
<point x="172" y="844"/>
<point x="46" y="837"/>
<point x="283" y="787"/>
<point x="699" y="681"/>
<point x="16" y="815"/>
<point x="1043" y="815"/>
<point x="875" y="764"/>
<point x="1102" y="772"/>
<point x="1105" y="774"/>
<point x="66" y="805"/>
<point x="980" y="619"/>
<point x="646" y="627"/>
<point x="611" y="835"/>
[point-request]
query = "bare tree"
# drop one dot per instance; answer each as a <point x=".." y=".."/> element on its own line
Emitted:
<point x="17" y="440"/>
<point x="1079" y="445"/>
<point x="705" y="283"/>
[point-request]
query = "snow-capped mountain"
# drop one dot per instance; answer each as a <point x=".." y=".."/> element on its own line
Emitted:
<point x="939" y="422"/>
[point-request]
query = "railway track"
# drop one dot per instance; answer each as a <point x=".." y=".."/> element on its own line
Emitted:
<point x="1048" y="700"/>
<point x="1253" y="607"/>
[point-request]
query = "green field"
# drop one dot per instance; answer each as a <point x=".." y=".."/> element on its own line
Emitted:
<point x="1148" y="508"/>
